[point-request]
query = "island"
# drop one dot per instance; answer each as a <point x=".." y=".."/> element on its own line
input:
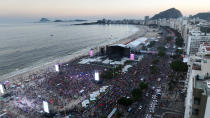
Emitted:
<point x="44" y="20"/>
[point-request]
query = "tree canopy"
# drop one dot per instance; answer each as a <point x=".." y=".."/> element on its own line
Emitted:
<point x="155" y="61"/>
<point x="119" y="114"/>
<point x="125" y="101"/>
<point x="136" y="93"/>
<point x="161" y="53"/>
<point x="152" y="43"/>
<point x="161" y="48"/>
<point x="153" y="69"/>
<point x="179" y="66"/>
<point x="143" y="85"/>
<point x="107" y="74"/>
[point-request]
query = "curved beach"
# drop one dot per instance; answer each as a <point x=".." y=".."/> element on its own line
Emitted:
<point x="24" y="73"/>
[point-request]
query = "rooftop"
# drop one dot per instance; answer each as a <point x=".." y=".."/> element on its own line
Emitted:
<point x="204" y="85"/>
<point x="206" y="44"/>
<point x="137" y="42"/>
<point x="208" y="48"/>
<point x="120" y="45"/>
<point x="203" y="80"/>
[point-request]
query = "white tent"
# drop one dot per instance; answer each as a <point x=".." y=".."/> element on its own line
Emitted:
<point x="97" y="93"/>
<point x="85" y="102"/>
<point x="105" y="87"/>
<point x="92" y="95"/>
<point x="102" y="90"/>
<point x="92" y="99"/>
<point x="81" y="91"/>
<point x="137" y="42"/>
<point x="185" y="60"/>
<point x="125" y="69"/>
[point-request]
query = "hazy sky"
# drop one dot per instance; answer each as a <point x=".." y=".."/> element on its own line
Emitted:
<point x="98" y="8"/>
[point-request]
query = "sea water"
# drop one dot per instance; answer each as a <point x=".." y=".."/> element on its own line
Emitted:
<point x="26" y="45"/>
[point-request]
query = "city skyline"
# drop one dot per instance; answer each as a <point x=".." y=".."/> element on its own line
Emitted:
<point x="28" y="9"/>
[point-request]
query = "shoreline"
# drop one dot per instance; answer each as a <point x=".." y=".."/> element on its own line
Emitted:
<point x="48" y="66"/>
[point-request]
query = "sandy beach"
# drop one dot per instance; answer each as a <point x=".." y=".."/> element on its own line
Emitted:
<point x="72" y="96"/>
<point x="143" y="31"/>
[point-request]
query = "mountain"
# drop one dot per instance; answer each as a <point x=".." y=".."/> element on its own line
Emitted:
<point x="204" y="16"/>
<point x="44" y="20"/>
<point x="170" y="13"/>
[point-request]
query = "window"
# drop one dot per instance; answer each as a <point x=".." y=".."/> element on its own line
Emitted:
<point x="195" y="112"/>
<point x="197" y="100"/>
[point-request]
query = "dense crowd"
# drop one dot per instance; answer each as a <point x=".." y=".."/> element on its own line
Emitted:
<point x="75" y="82"/>
<point x="59" y="89"/>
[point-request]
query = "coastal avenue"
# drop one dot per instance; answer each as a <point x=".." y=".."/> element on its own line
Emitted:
<point x="66" y="89"/>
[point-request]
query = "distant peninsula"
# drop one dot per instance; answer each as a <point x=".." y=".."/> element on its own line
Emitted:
<point x="59" y="20"/>
<point x="79" y="20"/>
<point x="76" y="20"/>
<point x="108" y="21"/>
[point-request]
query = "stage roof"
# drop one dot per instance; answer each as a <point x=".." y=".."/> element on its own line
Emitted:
<point x="120" y="45"/>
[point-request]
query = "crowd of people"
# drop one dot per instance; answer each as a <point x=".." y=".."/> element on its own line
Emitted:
<point x="76" y="81"/>
<point x="59" y="89"/>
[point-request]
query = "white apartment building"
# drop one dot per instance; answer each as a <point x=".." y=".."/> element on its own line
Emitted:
<point x="195" y="39"/>
<point x="204" y="49"/>
<point x="197" y="103"/>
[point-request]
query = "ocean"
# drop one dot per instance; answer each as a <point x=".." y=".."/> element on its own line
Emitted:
<point x="26" y="45"/>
